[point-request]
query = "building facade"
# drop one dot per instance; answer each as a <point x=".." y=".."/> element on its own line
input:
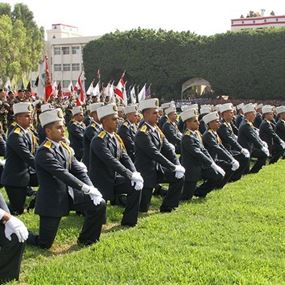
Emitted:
<point x="257" y="22"/>
<point x="64" y="48"/>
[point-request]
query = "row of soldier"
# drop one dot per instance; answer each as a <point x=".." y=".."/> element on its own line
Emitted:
<point x="121" y="160"/>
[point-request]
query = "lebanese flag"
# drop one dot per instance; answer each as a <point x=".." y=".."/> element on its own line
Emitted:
<point x="79" y="87"/>
<point x="119" y="90"/>
<point x="44" y="89"/>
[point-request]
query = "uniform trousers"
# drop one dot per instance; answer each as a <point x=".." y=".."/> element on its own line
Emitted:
<point x="17" y="197"/>
<point x="94" y="218"/>
<point x="211" y="181"/>
<point x="11" y="253"/>
<point x="123" y="186"/>
<point x="172" y="197"/>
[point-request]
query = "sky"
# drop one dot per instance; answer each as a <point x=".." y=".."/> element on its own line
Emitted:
<point x="94" y="18"/>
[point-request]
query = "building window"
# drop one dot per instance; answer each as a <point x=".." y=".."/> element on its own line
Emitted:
<point x="242" y="22"/>
<point x="265" y="21"/>
<point x="66" y="67"/>
<point x="76" y="50"/>
<point x="56" y="50"/>
<point x="65" y="50"/>
<point x="74" y="82"/>
<point x="75" y="66"/>
<point x="253" y="21"/>
<point x="65" y="83"/>
<point x="277" y="20"/>
<point x="57" y="67"/>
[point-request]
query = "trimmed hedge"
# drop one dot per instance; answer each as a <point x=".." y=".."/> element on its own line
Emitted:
<point x="247" y="64"/>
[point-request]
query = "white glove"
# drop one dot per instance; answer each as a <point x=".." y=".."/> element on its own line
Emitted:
<point x="91" y="190"/>
<point x="96" y="199"/>
<point x="265" y="149"/>
<point x="179" y="171"/>
<point x="218" y="169"/>
<point x="138" y="185"/>
<point x="235" y="165"/>
<point x="15" y="226"/>
<point x="83" y="166"/>
<point x="245" y="152"/>
<point x="2" y="162"/>
<point x="136" y="177"/>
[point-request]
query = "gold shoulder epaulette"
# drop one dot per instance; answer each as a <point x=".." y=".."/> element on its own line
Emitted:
<point x="188" y="133"/>
<point x="126" y="124"/>
<point x="48" y="144"/>
<point x="17" y="131"/>
<point x="102" y="134"/>
<point x="68" y="148"/>
<point x="13" y="124"/>
<point x="143" y="129"/>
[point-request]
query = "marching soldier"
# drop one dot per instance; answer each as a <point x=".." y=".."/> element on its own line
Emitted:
<point x="197" y="161"/>
<point x="156" y="160"/>
<point x="19" y="170"/>
<point x="267" y="133"/>
<point x="229" y="141"/>
<point x="280" y="126"/>
<point x="219" y="153"/>
<point x="170" y="129"/>
<point x="248" y="137"/>
<point x="13" y="234"/>
<point x="128" y="130"/>
<point x="91" y="131"/>
<point x="75" y="132"/>
<point x="111" y="169"/>
<point x="64" y="186"/>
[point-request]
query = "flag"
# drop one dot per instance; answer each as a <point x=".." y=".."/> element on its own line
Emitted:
<point x="44" y="88"/>
<point x="7" y="85"/>
<point x="148" y="92"/>
<point x="96" y="90"/>
<point x="90" y="88"/>
<point x="133" y="97"/>
<point x="119" y="90"/>
<point x="59" y="91"/>
<point x="141" y="95"/>
<point x="70" y="87"/>
<point x="80" y="91"/>
<point x="125" y="96"/>
<point x="111" y="92"/>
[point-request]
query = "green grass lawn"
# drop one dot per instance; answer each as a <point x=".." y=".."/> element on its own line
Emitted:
<point x="234" y="236"/>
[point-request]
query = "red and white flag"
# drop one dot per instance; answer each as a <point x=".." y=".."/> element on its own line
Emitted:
<point x="119" y="90"/>
<point x="44" y="88"/>
<point x="81" y="98"/>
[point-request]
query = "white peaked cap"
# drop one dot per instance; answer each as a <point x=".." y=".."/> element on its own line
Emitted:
<point x="148" y="104"/>
<point x="188" y="114"/>
<point x="76" y="110"/>
<point x="211" y="117"/>
<point x="166" y="105"/>
<point x="248" y="108"/>
<point x="50" y="116"/>
<point x="205" y="109"/>
<point x="94" y="106"/>
<point x="267" y="109"/>
<point x="22" y="107"/>
<point x="240" y="106"/>
<point x="186" y="107"/>
<point x="107" y="110"/>
<point x="169" y="110"/>
<point x="226" y="107"/>
<point x="280" y="109"/>
<point x="259" y="106"/>
<point x="131" y="109"/>
<point x="46" y="107"/>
